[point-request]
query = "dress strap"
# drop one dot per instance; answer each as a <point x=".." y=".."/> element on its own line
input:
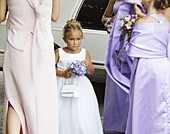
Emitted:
<point x="60" y="50"/>
<point x="156" y="17"/>
<point x="83" y="53"/>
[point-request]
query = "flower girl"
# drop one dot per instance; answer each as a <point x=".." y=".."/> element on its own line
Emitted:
<point x="78" y="107"/>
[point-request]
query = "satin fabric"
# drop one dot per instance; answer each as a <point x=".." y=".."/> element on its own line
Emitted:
<point x="149" y="109"/>
<point x="116" y="101"/>
<point x="114" y="44"/>
<point x="29" y="66"/>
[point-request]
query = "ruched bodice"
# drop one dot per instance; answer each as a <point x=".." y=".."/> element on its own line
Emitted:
<point x="149" y="40"/>
<point x="150" y="79"/>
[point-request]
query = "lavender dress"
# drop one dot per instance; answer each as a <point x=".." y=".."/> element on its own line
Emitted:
<point x="149" y="111"/>
<point x="116" y="100"/>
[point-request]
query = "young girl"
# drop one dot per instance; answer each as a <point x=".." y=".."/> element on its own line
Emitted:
<point x="149" y="111"/>
<point x="77" y="115"/>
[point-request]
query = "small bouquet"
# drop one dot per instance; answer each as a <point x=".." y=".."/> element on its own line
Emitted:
<point x="77" y="68"/>
<point x="127" y="25"/>
<point x="109" y="23"/>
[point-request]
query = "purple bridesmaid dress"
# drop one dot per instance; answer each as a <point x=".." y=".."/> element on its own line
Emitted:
<point x="149" y="111"/>
<point x="116" y="102"/>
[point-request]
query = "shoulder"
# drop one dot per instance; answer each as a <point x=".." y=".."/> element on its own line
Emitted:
<point x="150" y="19"/>
<point x="166" y="20"/>
<point x="147" y="19"/>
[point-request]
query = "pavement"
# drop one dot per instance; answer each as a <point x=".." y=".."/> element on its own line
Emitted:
<point x="98" y="81"/>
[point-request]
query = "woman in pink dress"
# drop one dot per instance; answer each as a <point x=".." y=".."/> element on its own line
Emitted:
<point x="29" y="67"/>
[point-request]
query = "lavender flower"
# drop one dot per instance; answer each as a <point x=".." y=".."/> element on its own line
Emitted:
<point x="77" y="68"/>
<point x="126" y="25"/>
<point x="109" y="23"/>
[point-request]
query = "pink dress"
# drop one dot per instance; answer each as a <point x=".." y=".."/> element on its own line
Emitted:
<point x="29" y="66"/>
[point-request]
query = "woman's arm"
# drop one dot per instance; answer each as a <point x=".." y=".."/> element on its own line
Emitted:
<point x="3" y="8"/>
<point x="138" y="11"/>
<point x="55" y="10"/>
<point x="166" y="12"/>
<point x="109" y="11"/>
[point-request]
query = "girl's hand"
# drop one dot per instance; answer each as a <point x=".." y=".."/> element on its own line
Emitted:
<point x="86" y="63"/>
<point x="66" y="74"/>
<point x="138" y="11"/>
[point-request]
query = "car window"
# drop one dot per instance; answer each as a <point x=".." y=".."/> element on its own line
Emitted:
<point x="91" y="13"/>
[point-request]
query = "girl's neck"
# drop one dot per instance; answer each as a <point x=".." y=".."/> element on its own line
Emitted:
<point x="67" y="50"/>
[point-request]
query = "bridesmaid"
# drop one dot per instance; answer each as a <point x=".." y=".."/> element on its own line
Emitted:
<point x="149" y="111"/>
<point x="30" y="105"/>
<point x="116" y="102"/>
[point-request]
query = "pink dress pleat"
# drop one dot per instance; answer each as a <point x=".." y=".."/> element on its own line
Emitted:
<point x="29" y="66"/>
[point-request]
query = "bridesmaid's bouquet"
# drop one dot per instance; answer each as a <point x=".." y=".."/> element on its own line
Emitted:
<point x="126" y="25"/>
<point x="78" y="68"/>
<point x="109" y="23"/>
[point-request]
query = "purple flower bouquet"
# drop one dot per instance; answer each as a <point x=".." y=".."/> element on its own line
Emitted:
<point x="77" y="68"/>
<point x="109" y="23"/>
<point x="127" y="25"/>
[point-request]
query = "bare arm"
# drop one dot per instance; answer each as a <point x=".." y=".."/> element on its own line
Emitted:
<point x="109" y="11"/>
<point x="166" y="12"/>
<point x="138" y="11"/>
<point x="55" y="10"/>
<point x="88" y="63"/>
<point x="60" y="73"/>
<point x="3" y="8"/>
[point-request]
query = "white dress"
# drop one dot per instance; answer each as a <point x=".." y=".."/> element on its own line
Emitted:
<point x="77" y="115"/>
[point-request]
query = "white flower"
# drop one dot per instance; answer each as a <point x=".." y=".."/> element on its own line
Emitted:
<point x="75" y="61"/>
<point x="128" y="26"/>
<point x="122" y="23"/>
<point x="72" y="66"/>
<point x="129" y="23"/>
<point x="128" y="17"/>
<point x="82" y="67"/>
<point x="133" y="20"/>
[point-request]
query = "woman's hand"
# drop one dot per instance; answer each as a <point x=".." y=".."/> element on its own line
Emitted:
<point x="138" y="11"/>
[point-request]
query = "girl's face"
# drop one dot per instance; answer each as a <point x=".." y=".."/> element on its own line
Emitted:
<point x="73" y="40"/>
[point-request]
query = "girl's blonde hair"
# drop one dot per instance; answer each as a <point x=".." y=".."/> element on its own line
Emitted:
<point x="71" y="25"/>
